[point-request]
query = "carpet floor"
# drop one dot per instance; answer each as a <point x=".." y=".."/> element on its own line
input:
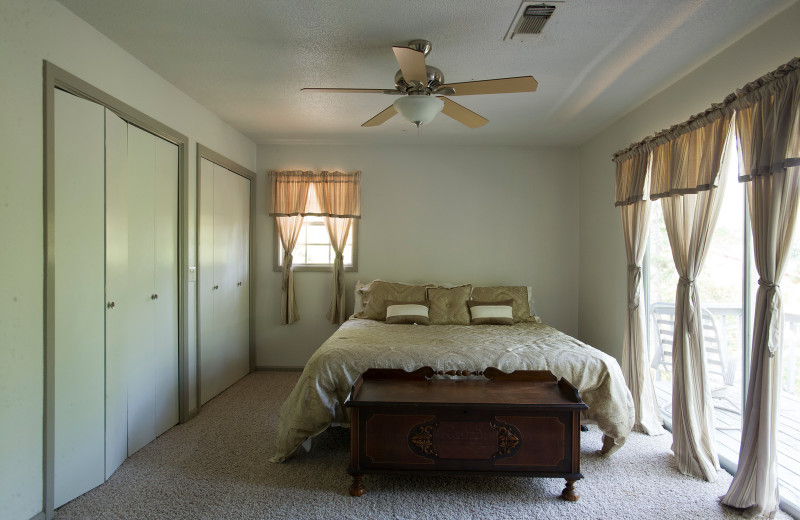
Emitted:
<point x="216" y="467"/>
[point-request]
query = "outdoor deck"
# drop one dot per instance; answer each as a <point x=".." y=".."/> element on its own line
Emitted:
<point x="729" y="429"/>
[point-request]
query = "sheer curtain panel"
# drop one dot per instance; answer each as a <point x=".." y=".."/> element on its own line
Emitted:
<point x="288" y="198"/>
<point x="631" y="182"/>
<point x="339" y="196"/>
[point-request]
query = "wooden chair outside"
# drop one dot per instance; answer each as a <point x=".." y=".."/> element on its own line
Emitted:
<point x="721" y="370"/>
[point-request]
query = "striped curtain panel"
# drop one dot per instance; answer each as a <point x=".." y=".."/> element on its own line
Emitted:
<point x="768" y="129"/>
<point x="686" y="173"/>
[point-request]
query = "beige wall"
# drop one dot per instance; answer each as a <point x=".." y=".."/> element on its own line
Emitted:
<point x="488" y="215"/>
<point x="30" y="31"/>
<point x="603" y="264"/>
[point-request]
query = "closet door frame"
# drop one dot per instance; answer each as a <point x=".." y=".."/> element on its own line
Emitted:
<point x="204" y="152"/>
<point x="57" y="78"/>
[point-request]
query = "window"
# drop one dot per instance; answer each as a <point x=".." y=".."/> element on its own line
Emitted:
<point x="313" y="251"/>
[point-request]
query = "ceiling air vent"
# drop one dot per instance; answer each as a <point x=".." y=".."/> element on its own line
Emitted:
<point x="530" y="19"/>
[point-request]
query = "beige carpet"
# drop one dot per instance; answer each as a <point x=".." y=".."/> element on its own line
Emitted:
<point x="216" y="466"/>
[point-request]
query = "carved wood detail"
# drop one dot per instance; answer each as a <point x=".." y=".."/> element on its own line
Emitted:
<point x="509" y="439"/>
<point x="458" y="373"/>
<point x="421" y="439"/>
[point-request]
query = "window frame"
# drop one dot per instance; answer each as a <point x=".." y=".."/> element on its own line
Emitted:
<point x="321" y="268"/>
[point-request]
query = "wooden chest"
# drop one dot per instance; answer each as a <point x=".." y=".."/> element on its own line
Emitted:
<point x="526" y="423"/>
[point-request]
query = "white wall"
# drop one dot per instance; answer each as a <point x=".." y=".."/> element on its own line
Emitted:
<point x="30" y="31"/>
<point x="484" y="216"/>
<point x="603" y="267"/>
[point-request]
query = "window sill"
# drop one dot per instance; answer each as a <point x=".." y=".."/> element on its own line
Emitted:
<point x="316" y="268"/>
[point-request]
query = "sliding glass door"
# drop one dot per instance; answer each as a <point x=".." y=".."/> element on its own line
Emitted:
<point x="727" y="286"/>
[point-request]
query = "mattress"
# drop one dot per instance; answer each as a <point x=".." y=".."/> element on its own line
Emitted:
<point x="317" y="400"/>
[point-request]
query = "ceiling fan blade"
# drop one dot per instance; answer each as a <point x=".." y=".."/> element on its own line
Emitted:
<point x="494" y="86"/>
<point x="463" y="115"/>
<point x="350" y="90"/>
<point x="412" y="63"/>
<point x="382" y="117"/>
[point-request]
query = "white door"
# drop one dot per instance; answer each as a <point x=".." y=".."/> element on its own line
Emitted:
<point x="153" y="287"/>
<point x="241" y="361"/>
<point x="141" y="274"/>
<point x="117" y="292"/>
<point x="79" y="297"/>
<point x="207" y="341"/>
<point x="224" y="231"/>
<point x="166" y="286"/>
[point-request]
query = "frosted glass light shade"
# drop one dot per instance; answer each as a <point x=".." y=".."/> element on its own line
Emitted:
<point x="419" y="109"/>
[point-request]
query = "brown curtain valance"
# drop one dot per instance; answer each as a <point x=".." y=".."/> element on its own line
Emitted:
<point x="332" y="194"/>
<point x="768" y="106"/>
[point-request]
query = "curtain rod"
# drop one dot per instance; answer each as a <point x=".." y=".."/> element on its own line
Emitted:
<point x="715" y="111"/>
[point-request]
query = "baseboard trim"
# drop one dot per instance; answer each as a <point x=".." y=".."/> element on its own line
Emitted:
<point x="279" y="369"/>
<point x="39" y="516"/>
<point x="191" y="414"/>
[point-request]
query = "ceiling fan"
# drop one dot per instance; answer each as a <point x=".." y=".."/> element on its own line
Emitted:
<point x="424" y="91"/>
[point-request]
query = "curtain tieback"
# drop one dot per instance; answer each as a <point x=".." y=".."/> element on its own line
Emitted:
<point x="685" y="281"/>
<point x="636" y="271"/>
<point x="774" y="329"/>
<point x="767" y="285"/>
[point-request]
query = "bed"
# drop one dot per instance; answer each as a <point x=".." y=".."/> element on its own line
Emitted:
<point x="317" y="400"/>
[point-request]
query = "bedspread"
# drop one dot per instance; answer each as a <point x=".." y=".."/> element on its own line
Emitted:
<point x="317" y="400"/>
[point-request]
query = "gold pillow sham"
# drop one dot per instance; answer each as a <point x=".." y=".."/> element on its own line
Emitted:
<point x="520" y="307"/>
<point x="449" y="306"/>
<point x="375" y="295"/>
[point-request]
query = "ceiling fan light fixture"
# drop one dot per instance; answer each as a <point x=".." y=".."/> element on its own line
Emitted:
<point x="418" y="109"/>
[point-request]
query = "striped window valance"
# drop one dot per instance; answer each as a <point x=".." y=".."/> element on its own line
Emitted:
<point x="327" y="194"/>
<point x="686" y="158"/>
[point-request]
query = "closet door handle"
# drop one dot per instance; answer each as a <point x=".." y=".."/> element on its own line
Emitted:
<point x="239" y="284"/>
<point x="215" y="288"/>
<point x="154" y="297"/>
<point x="111" y="305"/>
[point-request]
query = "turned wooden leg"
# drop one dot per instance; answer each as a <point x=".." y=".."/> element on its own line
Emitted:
<point x="357" y="488"/>
<point x="569" y="492"/>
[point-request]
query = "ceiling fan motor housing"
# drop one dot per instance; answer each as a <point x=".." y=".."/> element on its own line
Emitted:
<point x="435" y="78"/>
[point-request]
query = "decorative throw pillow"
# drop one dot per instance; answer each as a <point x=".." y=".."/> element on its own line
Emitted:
<point x="491" y="313"/>
<point x="407" y="312"/>
<point x="518" y="294"/>
<point x="375" y="295"/>
<point x="449" y="306"/>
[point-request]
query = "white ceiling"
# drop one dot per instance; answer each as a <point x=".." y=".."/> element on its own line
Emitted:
<point x="246" y="60"/>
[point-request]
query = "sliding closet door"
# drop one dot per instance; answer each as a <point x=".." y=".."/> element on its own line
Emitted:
<point x="117" y="292"/>
<point x="166" y="286"/>
<point x="79" y="296"/>
<point x="224" y="236"/>
<point x="141" y="276"/>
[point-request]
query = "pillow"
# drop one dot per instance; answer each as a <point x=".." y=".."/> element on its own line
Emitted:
<point x="358" y="304"/>
<point x="491" y="313"/>
<point x="407" y="312"/>
<point x="375" y="295"/>
<point x="448" y="306"/>
<point x="518" y="294"/>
